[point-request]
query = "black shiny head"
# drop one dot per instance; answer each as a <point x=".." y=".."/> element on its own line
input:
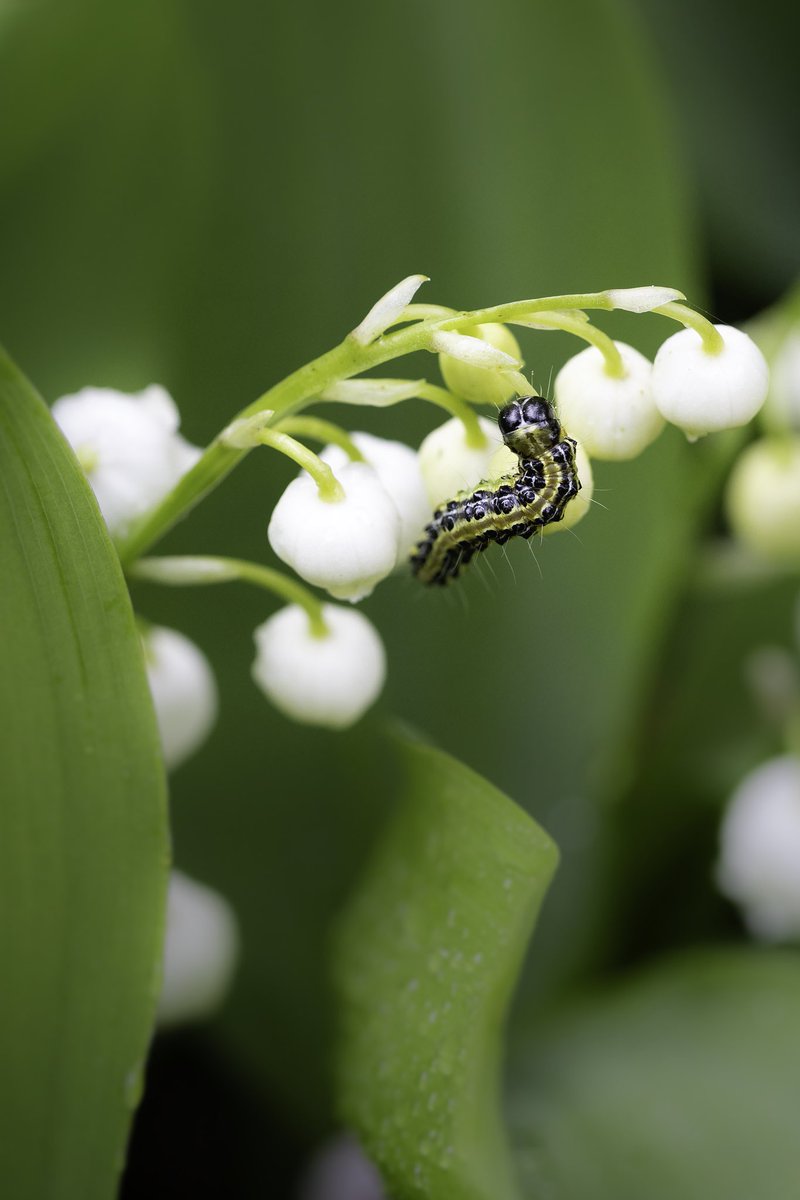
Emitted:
<point x="510" y="417"/>
<point x="529" y="426"/>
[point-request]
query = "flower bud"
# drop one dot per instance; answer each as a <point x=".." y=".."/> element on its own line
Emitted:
<point x="328" y="680"/>
<point x="612" y="418"/>
<point x="701" y="392"/>
<point x="200" y="951"/>
<point x="762" y="498"/>
<point x="474" y="374"/>
<point x="449" y="465"/>
<point x="345" y="546"/>
<point x="759" y="864"/>
<point x="129" y="447"/>
<point x="183" y="690"/>
<point x="505" y="462"/>
<point x="397" y="468"/>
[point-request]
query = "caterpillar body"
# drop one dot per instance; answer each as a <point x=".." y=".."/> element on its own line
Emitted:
<point x="515" y="505"/>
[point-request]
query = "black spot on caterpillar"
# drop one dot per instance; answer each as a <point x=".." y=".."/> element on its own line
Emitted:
<point x="514" y="506"/>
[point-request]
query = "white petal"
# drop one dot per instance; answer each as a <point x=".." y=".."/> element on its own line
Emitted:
<point x="449" y="465"/>
<point x="345" y="547"/>
<point x="759" y="865"/>
<point x="473" y="350"/>
<point x="397" y="468"/>
<point x="157" y="402"/>
<point x="184" y="692"/>
<point x="328" y="681"/>
<point x="129" y="446"/>
<point x="784" y="398"/>
<point x="200" y="951"/>
<point x="701" y="392"/>
<point x="388" y="309"/>
<point x="611" y="418"/>
<point x="642" y="299"/>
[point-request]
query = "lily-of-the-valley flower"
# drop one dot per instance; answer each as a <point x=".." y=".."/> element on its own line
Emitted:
<point x="397" y="468"/>
<point x="612" y="417"/>
<point x="183" y="689"/>
<point x="200" y="951"/>
<point x="759" y="864"/>
<point x="328" y="680"/>
<point x="128" y="446"/>
<point x="783" y="402"/>
<point x="762" y="498"/>
<point x="702" y="391"/>
<point x="473" y="372"/>
<point x="345" y="546"/>
<point x="449" y="464"/>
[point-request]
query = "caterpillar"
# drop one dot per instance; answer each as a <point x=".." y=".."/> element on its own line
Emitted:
<point x="515" y="505"/>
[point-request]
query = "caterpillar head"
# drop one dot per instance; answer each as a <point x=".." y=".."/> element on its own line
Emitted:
<point x="529" y="426"/>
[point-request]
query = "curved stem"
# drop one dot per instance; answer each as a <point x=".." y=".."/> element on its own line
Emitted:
<point x="614" y="366"/>
<point x="328" y="486"/>
<point x="201" y="570"/>
<point x="321" y="430"/>
<point x="343" y="362"/>
<point x="473" y="434"/>
<point x="713" y="341"/>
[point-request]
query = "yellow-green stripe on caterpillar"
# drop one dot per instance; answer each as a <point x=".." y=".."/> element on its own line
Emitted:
<point x="514" y="506"/>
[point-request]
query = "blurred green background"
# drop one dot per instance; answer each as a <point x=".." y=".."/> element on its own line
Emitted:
<point x="207" y="196"/>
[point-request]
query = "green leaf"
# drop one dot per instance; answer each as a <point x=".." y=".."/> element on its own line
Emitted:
<point x="426" y="957"/>
<point x="683" y="1083"/>
<point x="84" y="850"/>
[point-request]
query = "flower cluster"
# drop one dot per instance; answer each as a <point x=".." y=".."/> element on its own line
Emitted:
<point x="357" y="508"/>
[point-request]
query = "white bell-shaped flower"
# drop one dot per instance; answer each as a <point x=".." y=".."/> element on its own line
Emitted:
<point x="506" y="462"/>
<point x="612" y="418"/>
<point x="330" y="680"/>
<point x="129" y="447"/>
<point x="759" y="864"/>
<point x="449" y="465"/>
<point x="762" y="498"/>
<point x="345" y="546"/>
<point x="783" y="401"/>
<point x="183" y="689"/>
<point x="472" y="363"/>
<point x="397" y="468"/>
<point x="702" y="392"/>
<point x="200" y="951"/>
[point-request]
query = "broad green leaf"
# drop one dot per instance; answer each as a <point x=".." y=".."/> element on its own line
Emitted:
<point x="84" y="849"/>
<point x="426" y="957"/>
<point x="682" y="1083"/>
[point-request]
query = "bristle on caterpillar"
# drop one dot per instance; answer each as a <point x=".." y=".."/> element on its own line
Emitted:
<point x="514" y="506"/>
